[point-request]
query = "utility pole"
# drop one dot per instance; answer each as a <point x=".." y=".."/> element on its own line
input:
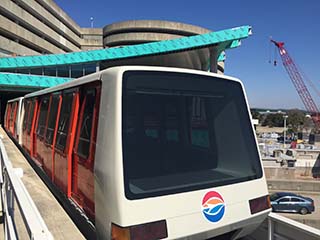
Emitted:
<point x="91" y="20"/>
<point x="285" y="130"/>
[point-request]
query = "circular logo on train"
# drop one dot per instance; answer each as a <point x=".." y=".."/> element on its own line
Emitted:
<point x="213" y="206"/>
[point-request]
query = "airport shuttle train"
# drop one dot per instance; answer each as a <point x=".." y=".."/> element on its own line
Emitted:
<point x="148" y="152"/>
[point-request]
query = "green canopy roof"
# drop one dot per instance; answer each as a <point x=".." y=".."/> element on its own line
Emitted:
<point x="224" y="39"/>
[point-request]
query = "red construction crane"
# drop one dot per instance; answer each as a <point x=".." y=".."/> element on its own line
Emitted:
<point x="298" y="83"/>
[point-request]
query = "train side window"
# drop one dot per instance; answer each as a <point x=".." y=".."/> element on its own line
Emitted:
<point x="12" y="111"/>
<point x="30" y="116"/>
<point x="42" y="116"/>
<point x="26" y="114"/>
<point x="52" y="118"/>
<point x="8" y="115"/>
<point x="15" y="120"/>
<point x="64" y="120"/>
<point x="87" y="110"/>
<point x="11" y="117"/>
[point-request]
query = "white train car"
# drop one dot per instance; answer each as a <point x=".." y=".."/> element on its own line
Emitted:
<point x="151" y="152"/>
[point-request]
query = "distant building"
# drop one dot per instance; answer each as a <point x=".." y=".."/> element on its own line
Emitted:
<point x="271" y="112"/>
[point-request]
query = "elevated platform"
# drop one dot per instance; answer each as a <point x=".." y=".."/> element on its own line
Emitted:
<point x="58" y="222"/>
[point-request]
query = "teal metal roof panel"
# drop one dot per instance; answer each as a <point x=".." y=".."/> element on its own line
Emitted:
<point x="228" y="38"/>
<point x="11" y="80"/>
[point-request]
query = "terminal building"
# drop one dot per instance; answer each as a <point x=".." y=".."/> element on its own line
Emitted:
<point x="42" y="27"/>
<point x="41" y="46"/>
<point x="33" y="27"/>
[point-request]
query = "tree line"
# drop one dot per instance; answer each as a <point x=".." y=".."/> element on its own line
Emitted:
<point x="296" y="119"/>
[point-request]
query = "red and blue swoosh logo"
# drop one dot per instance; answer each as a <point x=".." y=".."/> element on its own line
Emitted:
<point x="213" y="206"/>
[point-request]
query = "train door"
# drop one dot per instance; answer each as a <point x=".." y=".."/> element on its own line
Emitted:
<point x="84" y="150"/>
<point x="7" y="116"/>
<point x="65" y="139"/>
<point x="30" y="108"/>
<point x="12" y="116"/>
<point x="15" y="120"/>
<point x="48" y="143"/>
<point x="39" y="148"/>
<point x="26" y="106"/>
<point x="31" y="125"/>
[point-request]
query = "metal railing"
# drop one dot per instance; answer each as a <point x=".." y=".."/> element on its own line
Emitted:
<point x="277" y="227"/>
<point x="18" y="205"/>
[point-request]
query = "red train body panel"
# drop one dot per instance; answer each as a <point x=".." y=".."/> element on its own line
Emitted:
<point x="58" y="133"/>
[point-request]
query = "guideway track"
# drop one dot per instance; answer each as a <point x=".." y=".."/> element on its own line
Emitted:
<point x="57" y="220"/>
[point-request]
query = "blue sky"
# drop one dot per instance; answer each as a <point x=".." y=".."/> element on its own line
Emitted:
<point x="297" y="23"/>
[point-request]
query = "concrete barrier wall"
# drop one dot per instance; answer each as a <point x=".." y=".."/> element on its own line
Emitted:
<point x="288" y="173"/>
<point x="292" y="185"/>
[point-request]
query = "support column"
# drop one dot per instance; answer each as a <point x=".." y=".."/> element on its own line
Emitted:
<point x="97" y="66"/>
<point x="270" y="229"/>
<point x="213" y="60"/>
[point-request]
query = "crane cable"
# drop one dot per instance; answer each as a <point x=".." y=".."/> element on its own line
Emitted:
<point x="304" y="76"/>
<point x="275" y="53"/>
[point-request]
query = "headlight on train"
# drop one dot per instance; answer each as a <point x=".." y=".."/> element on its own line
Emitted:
<point x="146" y="231"/>
<point x="259" y="204"/>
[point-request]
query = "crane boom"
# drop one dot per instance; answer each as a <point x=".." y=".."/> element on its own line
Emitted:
<point x="298" y="83"/>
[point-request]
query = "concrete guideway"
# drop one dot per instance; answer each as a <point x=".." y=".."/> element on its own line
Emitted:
<point x="277" y="227"/>
<point x="58" y="222"/>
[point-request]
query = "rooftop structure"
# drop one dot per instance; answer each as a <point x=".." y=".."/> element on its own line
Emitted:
<point x="144" y="31"/>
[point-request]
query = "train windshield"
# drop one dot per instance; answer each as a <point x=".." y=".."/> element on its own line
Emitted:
<point x="184" y="132"/>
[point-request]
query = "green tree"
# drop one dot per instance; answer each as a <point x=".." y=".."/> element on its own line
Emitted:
<point x="273" y="120"/>
<point x="296" y="119"/>
<point x="255" y="114"/>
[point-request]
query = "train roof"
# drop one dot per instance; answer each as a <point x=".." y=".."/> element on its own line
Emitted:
<point x="119" y="69"/>
<point x="15" y="99"/>
<point x="71" y="83"/>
